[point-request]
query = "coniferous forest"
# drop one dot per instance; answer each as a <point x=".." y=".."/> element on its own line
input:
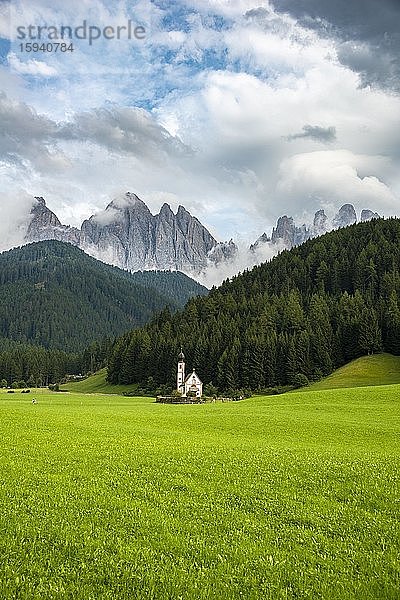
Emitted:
<point x="294" y="319"/>
<point x="56" y="296"/>
<point x="60" y="309"/>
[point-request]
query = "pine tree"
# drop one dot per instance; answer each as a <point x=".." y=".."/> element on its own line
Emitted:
<point x="392" y="325"/>
<point x="370" y="338"/>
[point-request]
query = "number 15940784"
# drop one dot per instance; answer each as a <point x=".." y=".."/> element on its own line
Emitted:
<point x="49" y="47"/>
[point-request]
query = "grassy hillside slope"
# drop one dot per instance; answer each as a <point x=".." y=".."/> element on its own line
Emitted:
<point x="377" y="369"/>
<point x="96" y="384"/>
<point x="281" y="498"/>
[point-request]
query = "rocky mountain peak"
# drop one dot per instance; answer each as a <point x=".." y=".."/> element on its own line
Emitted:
<point x="368" y="215"/>
<point x="345" y="217"/>
<point x="166" y="211"/>
<point x="131" y="197"/>
<point x="286" y="232"/>
<point x="320" y="223"/>
<point x="263" y="239"/>
<point x="182" y="214"/>
<point x="128" y="201"/>
<point x="43" y="216"/>
<point x="45" y="225"/>
<point x="128" y="235"/>
<point x="222" y="252"/>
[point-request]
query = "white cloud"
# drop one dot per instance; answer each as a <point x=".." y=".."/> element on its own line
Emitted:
<point x="215" y="274"/>
<point x="15" y="210"/>
<point x="31" y="67"/>
<point x="228" y="8"/>
<point x="198" y="116"/>
<point x="334" y="177"/>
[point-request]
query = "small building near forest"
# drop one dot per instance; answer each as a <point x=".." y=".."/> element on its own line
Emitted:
<point x="190" y="385"/>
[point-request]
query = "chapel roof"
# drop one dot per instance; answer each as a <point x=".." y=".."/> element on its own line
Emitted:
<point x="191" y="375"/>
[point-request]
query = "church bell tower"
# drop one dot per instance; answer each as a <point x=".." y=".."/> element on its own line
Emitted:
<point x="180" y="379"/>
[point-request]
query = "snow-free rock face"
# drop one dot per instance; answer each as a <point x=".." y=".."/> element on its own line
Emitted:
<point x="45" y="225"/>
<point x="319" y="226"/>
<point x="121" y="234"/>
<point x="368" y="215"/>
<point x="345" y="217"/>
<point x="223" y="251"/>
<point x="284" y="231"/>
<point x="287" y="234"/>
<point x="127" y="235"/>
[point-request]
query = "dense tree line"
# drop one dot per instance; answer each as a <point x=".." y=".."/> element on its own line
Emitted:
<point x="33" y="366"/>
<point x="54" y="295"/>
<point x="36" y="366"/>
<point x="294" y="319"/>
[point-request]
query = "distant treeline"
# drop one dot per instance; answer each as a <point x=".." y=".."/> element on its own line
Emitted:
<point x="37" y="366"/>
<point x="294" y="319"/>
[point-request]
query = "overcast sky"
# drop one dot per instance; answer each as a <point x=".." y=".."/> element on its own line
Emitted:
<point x="241" y="110"/>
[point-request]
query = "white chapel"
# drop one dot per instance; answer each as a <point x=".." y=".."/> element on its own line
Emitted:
<point x="191" y="383"/>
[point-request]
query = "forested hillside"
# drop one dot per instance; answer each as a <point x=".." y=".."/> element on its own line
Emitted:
<point x="27" y="365"/>
<point x="54" y="295"/>
<point x="308" y="311"/>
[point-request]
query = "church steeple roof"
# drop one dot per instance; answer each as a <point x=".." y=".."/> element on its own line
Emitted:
<point x="181" y="356"/>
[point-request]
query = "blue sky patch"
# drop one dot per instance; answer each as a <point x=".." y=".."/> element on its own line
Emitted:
<point x="5" y="46"/>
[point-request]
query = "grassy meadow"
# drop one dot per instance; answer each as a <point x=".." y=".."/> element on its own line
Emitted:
<point x="280" y="497"/>
<point x="376" y="369"/>
<point x="97" y="384"/>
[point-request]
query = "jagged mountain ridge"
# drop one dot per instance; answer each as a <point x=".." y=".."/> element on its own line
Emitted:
<point x="288" y="235"/>
<point x="126" y="234"/>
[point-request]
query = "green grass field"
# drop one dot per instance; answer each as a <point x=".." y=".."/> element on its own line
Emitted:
<point x="285" y="497"/>
<point x="377" y="369"/>
<point x="97" y="384"/>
